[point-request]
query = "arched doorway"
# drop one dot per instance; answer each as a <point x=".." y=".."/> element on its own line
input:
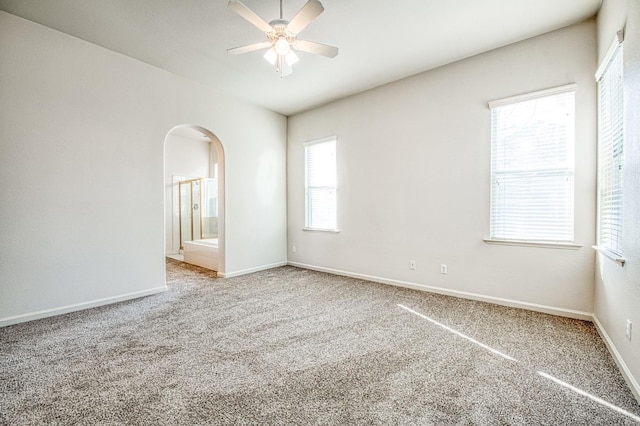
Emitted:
<point x="194" y="205"/>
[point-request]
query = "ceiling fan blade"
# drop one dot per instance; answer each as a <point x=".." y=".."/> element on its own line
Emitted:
<point x="316" y="48"/>
<point x="249" y="15"/>
<point x="249" y="48"/>
<point x="308" y="13"/>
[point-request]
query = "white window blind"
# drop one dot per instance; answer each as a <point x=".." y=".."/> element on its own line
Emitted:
<point x="320" y="183"/>
<point x="532" y="166"/>
<point x="610" y="153"/>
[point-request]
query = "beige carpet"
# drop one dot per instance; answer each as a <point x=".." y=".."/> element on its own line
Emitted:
<point x="291" y="346"/>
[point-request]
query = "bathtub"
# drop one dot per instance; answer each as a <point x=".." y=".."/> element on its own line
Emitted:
<point x="203" y="253"/>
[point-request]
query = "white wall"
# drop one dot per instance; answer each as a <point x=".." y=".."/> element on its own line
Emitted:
<point x="187" y="158"/>
<point x="617" y="290"/>
<point x="81" y="162"/>
<point x="413" y="176"/>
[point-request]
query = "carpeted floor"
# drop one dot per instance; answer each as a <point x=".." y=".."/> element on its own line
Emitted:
<point x="292" y="346"/>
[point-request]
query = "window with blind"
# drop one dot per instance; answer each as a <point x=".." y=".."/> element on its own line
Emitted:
<point x="320" y="184"/>
<point x="532" y="166"/>
<point x="610" y="150"/>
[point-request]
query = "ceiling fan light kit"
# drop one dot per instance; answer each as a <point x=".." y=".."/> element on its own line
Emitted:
<point x="282" y="36"/>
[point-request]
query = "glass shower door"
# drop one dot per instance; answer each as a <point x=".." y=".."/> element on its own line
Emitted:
<point x="210" y="208"/>
<point x="196" y="209"/>
<point x="190" y="210"/>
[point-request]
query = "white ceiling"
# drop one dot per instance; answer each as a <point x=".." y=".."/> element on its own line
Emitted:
<point x="380" y="40"/>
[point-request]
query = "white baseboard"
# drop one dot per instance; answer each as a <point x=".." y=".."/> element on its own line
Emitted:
<point x="78" y="306"/>
<point x="622" y="366"/>
<point x="251" y="270"/>
<point x="569" y="313"/>
<point x="108" y="300"/>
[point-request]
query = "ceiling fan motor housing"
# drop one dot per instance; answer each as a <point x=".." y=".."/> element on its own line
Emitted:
<point x="280" y="30"/>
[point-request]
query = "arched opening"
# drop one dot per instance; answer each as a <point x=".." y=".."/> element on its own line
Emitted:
<point x="194" y="197"/>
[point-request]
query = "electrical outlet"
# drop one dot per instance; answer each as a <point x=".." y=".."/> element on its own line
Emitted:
<point x="443" y="268"/>
<point x="629" y="330"/>
<point x="294" y="249"/>
<point x="412" y="265"/>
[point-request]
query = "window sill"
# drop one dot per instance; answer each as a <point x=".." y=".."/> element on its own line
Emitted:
<point x="539" y="244"/>
<point x="333" y="231"/>
<point x="616" y="258"/>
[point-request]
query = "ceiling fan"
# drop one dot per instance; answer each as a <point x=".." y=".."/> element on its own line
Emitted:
<point x="282" y="36"/>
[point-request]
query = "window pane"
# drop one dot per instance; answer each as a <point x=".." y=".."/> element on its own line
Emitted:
<point x="532" y="169"/>
<point x="320" y="178"/>
<point x="322" y="208"/>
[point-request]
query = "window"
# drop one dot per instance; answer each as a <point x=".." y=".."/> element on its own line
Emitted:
<point x="532" y="166"/>
<point x="610" y="150"/>
<point x="320" y="184"/>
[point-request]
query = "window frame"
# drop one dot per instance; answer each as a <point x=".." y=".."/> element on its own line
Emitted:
<point x="556" y="244"/>
<point x="307" y="222"/>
